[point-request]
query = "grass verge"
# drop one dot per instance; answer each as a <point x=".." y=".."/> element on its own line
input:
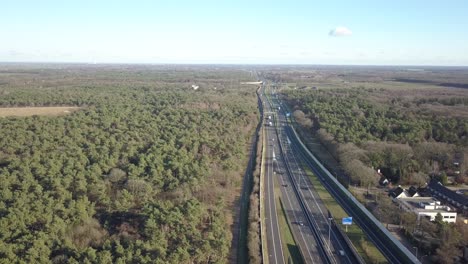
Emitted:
<point x="363" y="246"/>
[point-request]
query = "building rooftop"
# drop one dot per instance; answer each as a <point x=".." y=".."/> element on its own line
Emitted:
<point x="396" y="192"/>
<point x="437" y="186"/>
<point x="426" y="204"/>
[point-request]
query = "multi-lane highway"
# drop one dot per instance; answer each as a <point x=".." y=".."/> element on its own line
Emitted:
<point x="385" y="242"/>
<point x="274" y="245"/>
<point x="305" y="211"/>
<point x="335" y="248"/>
<point x="276" y="173"/>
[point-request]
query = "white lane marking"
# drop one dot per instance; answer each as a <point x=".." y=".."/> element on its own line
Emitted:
<point x="296" y="220"/>
<point x="269" y="211"/>
<point x="318" y="206"/>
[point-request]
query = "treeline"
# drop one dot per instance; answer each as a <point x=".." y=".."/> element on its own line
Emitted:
<point x="362" y="133"/>
<point x="140" y="175"/>
<point x="350" y="117"/>
<point x="254" y="242"/>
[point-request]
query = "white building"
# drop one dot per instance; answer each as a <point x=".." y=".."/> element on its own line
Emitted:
<point x="428" y="207"/>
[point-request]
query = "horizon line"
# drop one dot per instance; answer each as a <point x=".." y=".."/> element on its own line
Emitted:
<point x="227" y="64"/>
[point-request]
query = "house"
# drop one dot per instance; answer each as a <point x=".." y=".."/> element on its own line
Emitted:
<point x="413" y="192"/>
<point x="410" y="200"/>
<point x="424" y="191"/>
<point x="399" y="192"/>
<point x="457" y="200"/>
<point x="428" y="207"/>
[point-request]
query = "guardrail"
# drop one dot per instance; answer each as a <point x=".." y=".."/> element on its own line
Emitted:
<point x="312" y="224"/>
<point x="393" y="249"/>
<point x="350" y="245"/>
<point x="262" y="213"/>
<point x="262" y="216"/>
<point x="344" y="237"/>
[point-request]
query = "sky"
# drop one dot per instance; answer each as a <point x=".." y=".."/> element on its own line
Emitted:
<point x="373" y="32"/>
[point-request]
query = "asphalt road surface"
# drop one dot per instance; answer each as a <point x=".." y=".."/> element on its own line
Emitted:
<point x="316" y="239"/>
<point x="274" y="245"/>
<point x="277" y="173"/>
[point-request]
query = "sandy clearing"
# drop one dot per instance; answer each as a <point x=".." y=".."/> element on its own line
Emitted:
<point x="29" y="111"/>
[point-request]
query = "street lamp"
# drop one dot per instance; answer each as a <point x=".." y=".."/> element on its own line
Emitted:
<point x="300" y="179"/>
<point x="416" y="251"/>
<point x="329" y="232"/>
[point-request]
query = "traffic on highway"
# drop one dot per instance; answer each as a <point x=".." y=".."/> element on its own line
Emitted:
<point x="305" y="212"/>
<point x="315" y="233"/>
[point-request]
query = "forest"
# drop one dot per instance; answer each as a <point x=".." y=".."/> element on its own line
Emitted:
<point x="367" y="128"/>
<point x="146" y="171"/>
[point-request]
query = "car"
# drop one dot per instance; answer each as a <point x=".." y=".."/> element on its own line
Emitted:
<point x="300" y="223"/>
<point x="285" y="185"/>
<point x="342" y="253"/>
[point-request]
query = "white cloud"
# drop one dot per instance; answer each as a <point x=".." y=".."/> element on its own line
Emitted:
<point x="340" y="32"/>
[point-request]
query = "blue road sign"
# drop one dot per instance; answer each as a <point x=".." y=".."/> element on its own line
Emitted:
<point x="347" y="221"/>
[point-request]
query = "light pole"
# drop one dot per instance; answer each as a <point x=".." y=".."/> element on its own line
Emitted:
<point x="300" y="178"/>
<point x="329" y="232"/>
<point x="416" y="251"/>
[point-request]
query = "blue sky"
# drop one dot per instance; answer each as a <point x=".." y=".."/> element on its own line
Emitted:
<point x="397" y="32"/>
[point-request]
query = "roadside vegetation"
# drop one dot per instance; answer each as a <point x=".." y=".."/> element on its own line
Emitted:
<point x="254" y="239"/>
<point x="407" y="146"/>
<point x="148" y="171"/>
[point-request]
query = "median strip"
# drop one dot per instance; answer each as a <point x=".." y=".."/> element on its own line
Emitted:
<point x="293" y="254"/>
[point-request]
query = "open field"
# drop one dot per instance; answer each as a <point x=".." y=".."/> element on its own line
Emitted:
<point x="30" y="111"/>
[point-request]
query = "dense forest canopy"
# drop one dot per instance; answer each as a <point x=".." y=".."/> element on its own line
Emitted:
<point x="409" y="131"/>
<point x="146" y="171"/>
<point x="350" y="116"/>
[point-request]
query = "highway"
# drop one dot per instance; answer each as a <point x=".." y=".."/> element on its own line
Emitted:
<point x="297" y="156"/>
<point x="315" y="206"/>
<point x="274" y="245"/>
<point x="305" y="211"/>
<point x="326" y="243"/>
<point x="370" y="230"/>
<point x="276" y="174"/>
